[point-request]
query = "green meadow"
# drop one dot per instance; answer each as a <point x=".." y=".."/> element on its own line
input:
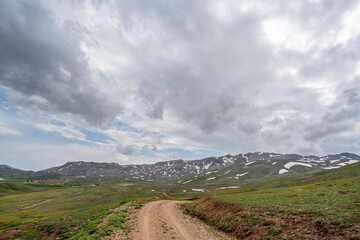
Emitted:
<point x="333" y="200"/>
<point x="41" y="211"/>
<point x="334" y="195"/>
<point x="62" y="212"/>
<point x="311" y="206"/>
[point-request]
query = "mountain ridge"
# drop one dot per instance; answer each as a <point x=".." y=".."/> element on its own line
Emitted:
<point x="184" y="168"/>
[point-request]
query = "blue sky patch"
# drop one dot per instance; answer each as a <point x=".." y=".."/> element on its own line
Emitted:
<point x="96" y="136"/>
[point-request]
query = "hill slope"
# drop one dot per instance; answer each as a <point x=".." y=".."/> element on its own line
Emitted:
<point x="323" y="205"/>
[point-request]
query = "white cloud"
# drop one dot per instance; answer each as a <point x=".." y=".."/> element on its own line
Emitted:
<point x="284" y="34"/>
<point x="66" y="131"/>
<point x="8" y="131"/>
<point x="349" y="27"/>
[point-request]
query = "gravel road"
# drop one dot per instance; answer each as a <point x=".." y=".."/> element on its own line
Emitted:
<point x="161" y="220"/>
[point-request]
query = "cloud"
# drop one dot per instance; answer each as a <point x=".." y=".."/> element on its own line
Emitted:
<point x="42" y="59"/>
<point x="152" y="148"/>
<point x="211" y="76"/>
<point x="167" y="156"/>
<point x="38" y="155"/>
<point x="8" y="131"/>
<point x="227" y="76"/>
<point x="65" y="131"/>
<point x="321" y="130"/>
<point x="127" y="149"/>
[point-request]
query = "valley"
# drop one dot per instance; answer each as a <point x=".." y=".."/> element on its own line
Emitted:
<point x="163" y="120"/>
<point x="239" y="200"/>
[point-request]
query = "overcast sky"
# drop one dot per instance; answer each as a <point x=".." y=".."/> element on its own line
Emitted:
<point x="147" y="81"/>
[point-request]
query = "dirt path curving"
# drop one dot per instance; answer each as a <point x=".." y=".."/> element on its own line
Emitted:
<point x="161" y="220"/>
<point x="34" y="205"/>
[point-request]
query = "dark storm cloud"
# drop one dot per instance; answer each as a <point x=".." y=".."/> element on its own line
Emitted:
<point x="41" y="58"/>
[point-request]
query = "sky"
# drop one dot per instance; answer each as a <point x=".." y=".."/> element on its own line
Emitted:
<point x="136" y="82"/>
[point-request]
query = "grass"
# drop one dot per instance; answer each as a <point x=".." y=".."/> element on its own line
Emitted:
<point x="18" y="187"/>
<point x="91" y="230"/>
<point x="39" y="211"/>
<point x="299" y="206"/>
<point x="335" y="199"/>
<point x="68" y="210"/>
<point x="314" y="205"/>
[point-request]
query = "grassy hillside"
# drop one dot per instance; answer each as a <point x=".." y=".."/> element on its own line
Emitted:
<point x="314" y="206"/>
<point x="15" y="187"/>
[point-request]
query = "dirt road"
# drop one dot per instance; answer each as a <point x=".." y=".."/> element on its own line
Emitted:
<point x="34" y="205"/>
<point x="160" y="220"/>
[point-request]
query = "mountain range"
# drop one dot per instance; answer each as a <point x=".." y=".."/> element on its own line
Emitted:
<point x="267" y="163"/>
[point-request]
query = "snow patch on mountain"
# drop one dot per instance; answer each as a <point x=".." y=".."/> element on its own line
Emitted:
<point x="187" y="181"/>
<point x="198" y="190"/>
<point x="247" y="164"/>
<point x="207" y="166"/>
<point x="348" y="163"/>
<point x="241" y="174"/>
<point x="230" y="187"/>
<point x="291" y="164"/>
<point x="328" y="168"/>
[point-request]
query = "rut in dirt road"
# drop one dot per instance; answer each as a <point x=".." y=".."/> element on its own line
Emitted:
<point x="160" y="220"/>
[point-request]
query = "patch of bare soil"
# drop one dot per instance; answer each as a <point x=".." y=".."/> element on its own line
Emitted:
<point x="9" y="233"/>
<point x="163" y="219"/>
<point x="164" y="194"/>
